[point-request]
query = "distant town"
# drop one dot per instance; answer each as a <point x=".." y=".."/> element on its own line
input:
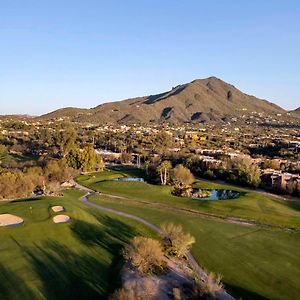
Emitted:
<point x="258" y="153"/>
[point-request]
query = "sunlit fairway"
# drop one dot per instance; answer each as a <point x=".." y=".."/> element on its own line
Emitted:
<point x="249" y="205"/>
<point x="257" y="262"/>
<point x="78" y="260"/>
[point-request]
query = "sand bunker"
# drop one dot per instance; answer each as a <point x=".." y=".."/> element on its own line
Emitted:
<point x="61" y="219"/>
<point x="10" y="220"/>
<point x="57" y="208"/>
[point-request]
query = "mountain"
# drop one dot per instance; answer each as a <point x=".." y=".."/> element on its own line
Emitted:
<point x="201" y="100"/>
<point x="296" y="111"/>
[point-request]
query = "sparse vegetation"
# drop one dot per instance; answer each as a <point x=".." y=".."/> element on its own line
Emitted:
<point x="146" y="289"/>
<point x="207" y="288"/>
<point x="176" y="242"/>
<point x="145" y="255"/>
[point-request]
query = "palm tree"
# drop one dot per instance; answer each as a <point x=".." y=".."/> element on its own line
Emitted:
<point x="163" y="170"/>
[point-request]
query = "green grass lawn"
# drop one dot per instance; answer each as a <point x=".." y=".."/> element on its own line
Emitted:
<point x="256" y="263"/>
<point x="249" y="205"/>
<point x="78" y="260"/>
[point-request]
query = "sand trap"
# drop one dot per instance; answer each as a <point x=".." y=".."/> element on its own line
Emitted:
<point x="10" y="220"/>
<point x="61" y="219"/>
<point x="57" y="208"/>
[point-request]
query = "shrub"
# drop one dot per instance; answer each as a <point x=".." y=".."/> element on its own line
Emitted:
<point x="176" y="294"/>
<point x="145" y="255"/>
<point x="208" y="288"/>
<point x="175" y="241"/>
<point x="145" y="289"/>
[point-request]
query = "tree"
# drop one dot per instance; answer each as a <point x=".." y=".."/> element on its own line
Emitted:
<point x="162" y="141"/>
<point x="175" y="241"/>
<point x="182" y="176"/>
<point x="245" y="171"/>
<point x="3" y="150"/>
<point x="145" y="255"/>
<point x="64" y="138"/>
<point x="163" y="170"/>
<point x="36" y="174"/>
<point x="15" y="185"/>
<point x="58" y="171"/>
<point x="126" y="158"/>
<point x="73" y="158"/>
<point x="88" y="158"/>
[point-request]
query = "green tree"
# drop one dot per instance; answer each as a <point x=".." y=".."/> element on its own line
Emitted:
<point x="182" y="176"/>
<point x="88" y="158"/>
<point x="246" y="171"/>
<point x="73" y="158"/>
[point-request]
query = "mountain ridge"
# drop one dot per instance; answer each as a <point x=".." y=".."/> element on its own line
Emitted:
<point x="201" y="100"/>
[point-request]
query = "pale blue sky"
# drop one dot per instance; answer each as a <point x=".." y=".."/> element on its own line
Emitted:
<point x="82" y="53"/>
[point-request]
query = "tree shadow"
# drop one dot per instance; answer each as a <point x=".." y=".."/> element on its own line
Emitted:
<point x="65" y="274"/>
<point x="117" y="228"/>
<point x="13" y="287"/>
<point x="242" y="293"/>
<point x="111" y="235"/>
<point x="293" y="205"/>
<point x="128" y="170"/>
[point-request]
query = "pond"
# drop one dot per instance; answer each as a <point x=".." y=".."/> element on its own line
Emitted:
<point x="137" y="179"/>
<point x="214" y="194"/>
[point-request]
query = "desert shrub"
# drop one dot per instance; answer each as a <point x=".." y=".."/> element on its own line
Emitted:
<point x="176" y="293"/>
<point x="212" y="284"/>
<point x="145" y="255"/>
<point x="207" y="288"/>
<point x="175" y="241"/>
<point x="145" y="289"/>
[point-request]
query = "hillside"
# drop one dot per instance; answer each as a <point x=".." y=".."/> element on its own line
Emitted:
<point x="201" y="100"/>
<point x="297" y="111"/>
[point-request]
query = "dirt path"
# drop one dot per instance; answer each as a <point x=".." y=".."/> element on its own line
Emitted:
<point x="223" y="295"/>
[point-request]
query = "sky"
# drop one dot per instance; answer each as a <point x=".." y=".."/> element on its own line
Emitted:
<point x="57" y="54"/>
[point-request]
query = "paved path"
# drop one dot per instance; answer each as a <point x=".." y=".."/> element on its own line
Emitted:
<point x="222" y="295"/>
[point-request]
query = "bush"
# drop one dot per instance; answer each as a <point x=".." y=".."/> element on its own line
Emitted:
<point x="145" y="289"/>
<point x="212" y="284"/>
<point x="176" y="294"/>
<point x="176" y="242"/>
<point x="208" y="288"/>
<point x="145" y="255"/>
